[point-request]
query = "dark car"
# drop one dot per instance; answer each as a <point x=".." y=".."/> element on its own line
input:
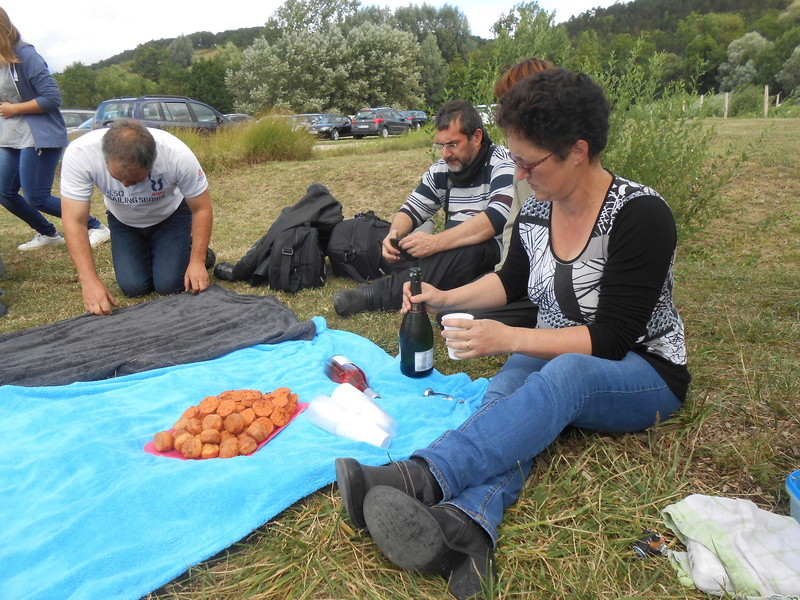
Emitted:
<point x="418" y="118"/>
<point x="161" y="112"/>
<point x="240" y="118"/>
<point x="324" y="125"/>
<point x="73" y="117"/>
<point x="379" y="121"/>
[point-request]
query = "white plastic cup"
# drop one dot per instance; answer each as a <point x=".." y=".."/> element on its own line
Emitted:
<point x="336" y="419"/>
<point x="354" y="400"/>
<point x="451" y="351"/>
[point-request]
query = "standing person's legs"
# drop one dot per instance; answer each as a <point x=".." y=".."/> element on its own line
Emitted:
<point x="10" y="197"/>
<point x="37" y="169"/>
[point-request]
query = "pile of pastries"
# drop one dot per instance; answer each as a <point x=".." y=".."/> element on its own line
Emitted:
<point x="231" y="424"/>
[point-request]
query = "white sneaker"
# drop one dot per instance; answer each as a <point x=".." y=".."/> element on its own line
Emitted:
<point x="99" y="235"/>
<point x="40" y="241"/>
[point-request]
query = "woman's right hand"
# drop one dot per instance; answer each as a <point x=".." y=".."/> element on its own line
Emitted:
<point x="434" y="298"/>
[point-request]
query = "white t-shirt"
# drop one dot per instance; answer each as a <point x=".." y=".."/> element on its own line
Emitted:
<point x="176" y="174"/>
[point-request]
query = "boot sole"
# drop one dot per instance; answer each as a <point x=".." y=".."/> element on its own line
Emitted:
<point x="350" y="480"/>
<point x="407" y="533"/>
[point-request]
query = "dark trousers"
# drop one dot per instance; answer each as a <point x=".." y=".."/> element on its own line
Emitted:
<point x="155" y="258"/>
<point x="444" y="270"/>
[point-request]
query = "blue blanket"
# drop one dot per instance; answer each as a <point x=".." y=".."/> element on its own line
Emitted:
<point x="86" y="513"/>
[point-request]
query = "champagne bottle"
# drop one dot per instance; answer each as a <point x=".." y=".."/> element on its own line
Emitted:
<point x="416" y="335"/>
<point x="343" y="370"/>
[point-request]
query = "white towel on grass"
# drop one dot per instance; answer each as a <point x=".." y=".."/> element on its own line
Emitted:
<point x="734" y="548"/>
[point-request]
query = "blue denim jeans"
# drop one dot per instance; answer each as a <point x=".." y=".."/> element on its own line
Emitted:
<point x="154" y="258"/>
<point x="32" y="170"/>
<point x="482" y="466"/>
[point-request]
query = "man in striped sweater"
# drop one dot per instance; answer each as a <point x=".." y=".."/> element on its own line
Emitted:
<point x="473" y="183"/>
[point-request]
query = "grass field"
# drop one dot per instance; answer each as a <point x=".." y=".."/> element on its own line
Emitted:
<point x="589" y="496"/>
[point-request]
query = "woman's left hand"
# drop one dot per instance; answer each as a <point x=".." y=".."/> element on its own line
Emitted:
<point x="480" y="337"/>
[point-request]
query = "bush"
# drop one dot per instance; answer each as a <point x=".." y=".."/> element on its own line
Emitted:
<point x="747" y="101"/>
<point x="268" y="139"/>
<point x="671" y="154"/>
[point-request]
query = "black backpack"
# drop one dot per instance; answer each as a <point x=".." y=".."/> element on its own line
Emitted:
<point x="318" y="208"/>
<point x="354" y="247"/>
<point x="296" y="261"/>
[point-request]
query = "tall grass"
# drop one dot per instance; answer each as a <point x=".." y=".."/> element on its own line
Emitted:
<point x="268" y="139"/>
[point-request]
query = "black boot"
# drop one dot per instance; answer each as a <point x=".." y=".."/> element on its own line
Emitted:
<point x="438" y="540"/>
<point x="211" y="258"/>
<point x="410" y="476"/>
<point x="224" y="271"/>
<point x="350" y="302"/>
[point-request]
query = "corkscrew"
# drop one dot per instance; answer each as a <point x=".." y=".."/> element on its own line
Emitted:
<point x="430" y="392"/>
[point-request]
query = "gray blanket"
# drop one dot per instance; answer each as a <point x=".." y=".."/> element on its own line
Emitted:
<point x="172" y="330"/>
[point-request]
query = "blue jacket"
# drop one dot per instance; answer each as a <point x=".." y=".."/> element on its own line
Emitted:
<point x="34" y="82"/>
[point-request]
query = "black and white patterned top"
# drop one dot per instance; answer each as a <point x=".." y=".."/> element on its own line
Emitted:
<point x="620" y="286"/>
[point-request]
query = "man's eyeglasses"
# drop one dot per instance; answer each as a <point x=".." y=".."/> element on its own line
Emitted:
<point x="529" y="167"/>
<point x="448" y="145"/>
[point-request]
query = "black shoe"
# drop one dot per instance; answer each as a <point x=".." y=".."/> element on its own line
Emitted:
<point x="211" y="258"/>
<point x="439" y="540"/>
<point x="350" y="302"/>
<point x="410" y="476"/>
<point x="224" y="271"/>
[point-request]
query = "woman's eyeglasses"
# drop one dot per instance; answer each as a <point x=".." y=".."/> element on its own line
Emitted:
<point x="529" y="167"/>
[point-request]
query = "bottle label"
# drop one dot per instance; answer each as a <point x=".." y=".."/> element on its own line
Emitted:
<point x="423" y="361"/>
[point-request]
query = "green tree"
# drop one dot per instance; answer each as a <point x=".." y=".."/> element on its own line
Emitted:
<point x="148" y="61"/>
<point x="180" y="51"/>
<point x="433" y="70"/>
<point x="301" y="71"/>
<point x="309" y="16"/>
<point x="705" y="39"/>
<point x="448" y="23"/>
<point x="382" y="68"/>
<point x="78" y="86"/>
<point x="745" y="55"/>
<point x="207" y="84"/>
<point x="114" y="81"/>
<point x="789" y="75"/>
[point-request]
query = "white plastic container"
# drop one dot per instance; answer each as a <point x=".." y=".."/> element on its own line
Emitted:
<point x="334" y="418"/>
<point x="352" y="399"/>
<point x="451" y="352"/>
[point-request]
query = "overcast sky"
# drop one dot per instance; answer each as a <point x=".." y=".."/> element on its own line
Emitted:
<point x="88" y="30"/>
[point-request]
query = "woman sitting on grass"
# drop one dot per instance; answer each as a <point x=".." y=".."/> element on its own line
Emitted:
<point x="594" y="252"/>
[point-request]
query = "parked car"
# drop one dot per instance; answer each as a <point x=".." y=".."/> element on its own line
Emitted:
<point x="240" y="118"/>
<point x="418" y="118"/>
<point x="75" y="116"/>
<point x="379" y="121"/>
<point x="76" y="132"/>
<point x="324" y="125"/>
<point x="161" y="112"/>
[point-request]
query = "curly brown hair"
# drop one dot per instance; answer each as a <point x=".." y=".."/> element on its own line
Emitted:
<point x="555" y="108"/>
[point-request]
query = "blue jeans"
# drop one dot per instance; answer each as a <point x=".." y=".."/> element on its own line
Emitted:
<point x="482" y="466"/>
<point x="154" y="258"/>
<point x="32" y="170"/>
